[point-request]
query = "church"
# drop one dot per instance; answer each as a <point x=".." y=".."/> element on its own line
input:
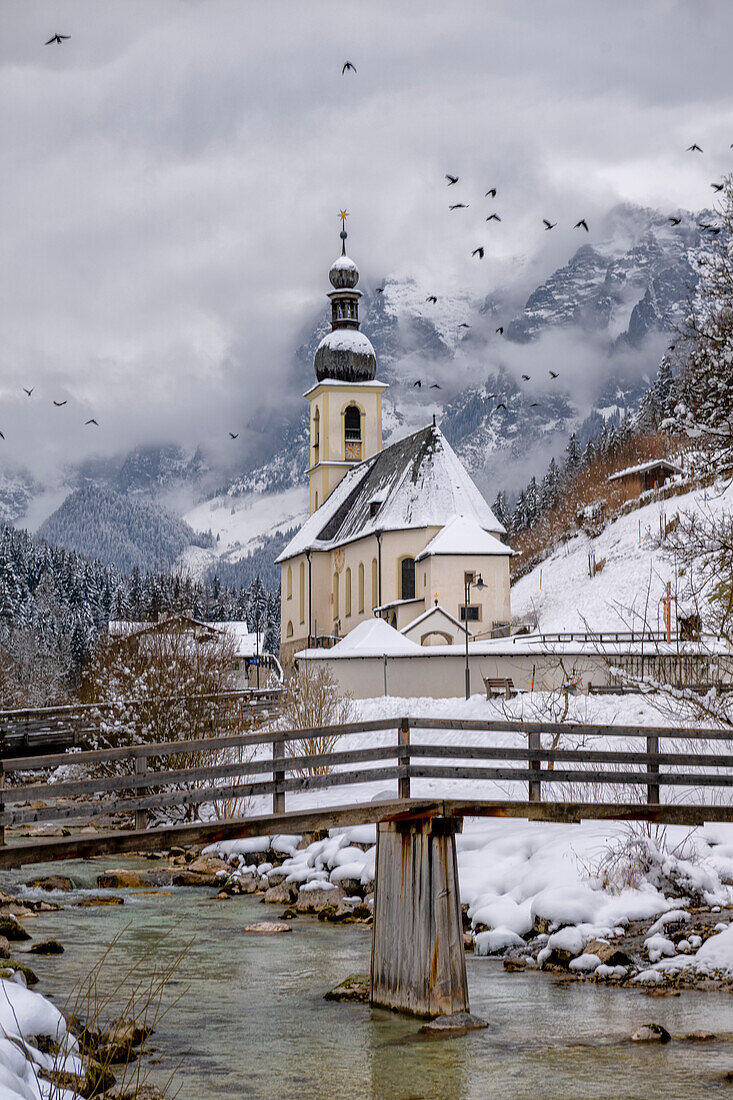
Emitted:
<point x="399" y="532"/>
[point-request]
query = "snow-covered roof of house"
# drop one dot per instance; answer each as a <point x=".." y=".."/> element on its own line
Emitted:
<point x="372" y="638"/>
<point x="463" y="535"/>
<point x="246" y="644"/>
<point x="422" y="484"/>
<point x="653" y="464"/>
<point x="436" y="610"/>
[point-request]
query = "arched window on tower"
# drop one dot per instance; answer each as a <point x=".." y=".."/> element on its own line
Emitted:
<point x="352" y="433"/>
<point x="407" y="579"/>
<point x="316" y="435"/>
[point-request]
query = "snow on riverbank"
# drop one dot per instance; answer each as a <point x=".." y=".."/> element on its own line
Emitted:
<point x="26" y="1017"/>
<point x="520" y="877"/>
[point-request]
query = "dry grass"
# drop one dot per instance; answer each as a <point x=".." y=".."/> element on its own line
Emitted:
<point x="310" y="700"/>
<point x="591" y="493"/>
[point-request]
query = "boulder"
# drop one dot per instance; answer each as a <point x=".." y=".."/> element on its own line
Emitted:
<point x="52" y="882"/>
<point x="607" y="953"/>
<point x="4" y="948"/>
<point x="208" y="865"/>
<point x="192" y="878"/>
<point x="121" y="879"/>
<point x="457" y="1023"/>
<point x="276" y="876"/>
<point x="267" y="928"/>
<point x="651" y="1033"/>
<point x="282" y="894"/>
<point x="313" y="901"/>
<point x="513" y="965"/>
<point x="701" y="1036"/>
<point x="357" y="987"/>
<point x="98" y="899"/>
<point x="47" y="947"/>
<point x="30" y="976"/>
<point x="12" y="929"/>
<point x="249" y="884"/>
<point x="118" y="1043"/>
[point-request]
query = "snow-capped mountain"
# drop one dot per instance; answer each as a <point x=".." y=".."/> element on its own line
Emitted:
<point x="598" y="320"/>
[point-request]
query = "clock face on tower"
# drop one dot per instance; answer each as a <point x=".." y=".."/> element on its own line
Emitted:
<point x="352" y="450"/>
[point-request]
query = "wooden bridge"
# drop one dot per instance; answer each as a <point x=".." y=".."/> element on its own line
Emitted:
<point x="33" y="730"/>
<point x="545" y="771"/>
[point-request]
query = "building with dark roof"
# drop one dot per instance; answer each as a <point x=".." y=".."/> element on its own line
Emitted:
<point x="392" y="531"/>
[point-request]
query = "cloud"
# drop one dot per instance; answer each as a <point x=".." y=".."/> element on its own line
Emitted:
<point x="173" y="174"/>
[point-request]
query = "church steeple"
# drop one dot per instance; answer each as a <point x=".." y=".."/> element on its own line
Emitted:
<point x="346" y="403"/>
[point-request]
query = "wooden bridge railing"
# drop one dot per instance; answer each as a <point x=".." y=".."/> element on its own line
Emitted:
<point x="43" y="729"/>
<point x="178" y="777"/>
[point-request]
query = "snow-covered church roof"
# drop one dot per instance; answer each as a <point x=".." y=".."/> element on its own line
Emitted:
<point x="463" y="535"/>
<point x="420" y="482"/>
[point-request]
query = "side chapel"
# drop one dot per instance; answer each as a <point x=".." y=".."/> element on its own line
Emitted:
<point x="394" y="531"/>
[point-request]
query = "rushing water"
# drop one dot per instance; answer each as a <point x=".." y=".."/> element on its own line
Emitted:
<point x="251" y="1020"/>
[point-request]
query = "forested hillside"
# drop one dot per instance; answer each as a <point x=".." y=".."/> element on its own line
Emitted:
<point x="55" y="605"/>
<point x="118" y="530"/>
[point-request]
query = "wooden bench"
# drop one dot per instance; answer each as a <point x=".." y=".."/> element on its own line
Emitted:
<point x="499" y="685"/>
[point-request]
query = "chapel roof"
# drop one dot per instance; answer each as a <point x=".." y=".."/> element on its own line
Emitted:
<point x="420" y="482"/>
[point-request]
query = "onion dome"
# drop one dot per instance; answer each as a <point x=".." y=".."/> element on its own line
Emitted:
<point x="345" y="354"/>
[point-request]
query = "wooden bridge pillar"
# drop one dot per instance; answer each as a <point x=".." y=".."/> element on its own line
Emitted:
<point x="418" y="961"/>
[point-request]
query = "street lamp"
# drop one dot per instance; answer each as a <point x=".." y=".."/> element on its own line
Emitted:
<point x="468" y="583"/>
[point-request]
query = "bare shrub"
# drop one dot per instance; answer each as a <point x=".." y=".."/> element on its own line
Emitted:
<point x="642" y="854"/>
<point x="311" y="700"/>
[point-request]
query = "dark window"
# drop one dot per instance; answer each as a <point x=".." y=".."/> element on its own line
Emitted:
<point x="352" y="424"/>
<point x="408" y="579"/>
<point x="472" y="615"/>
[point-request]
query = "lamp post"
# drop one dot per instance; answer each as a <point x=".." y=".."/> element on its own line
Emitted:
<point x="467" y="585"/>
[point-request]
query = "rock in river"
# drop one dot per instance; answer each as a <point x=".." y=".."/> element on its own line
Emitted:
<point x="121" y="879"/>
<point x="651" y="1033"/>
<point x="357" y="987"/>
<point x="268" y="927"/>
<point x="52" y="882"/>
<point x="48" y="947"/>
<point x="457" y="1023"/>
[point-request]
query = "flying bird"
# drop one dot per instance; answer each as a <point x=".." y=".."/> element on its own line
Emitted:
<point x="553" y="374"/>
<point x="58" y="38"/>
<point x="549" y="225"/>
<point x="464" y="325"/>
<point x="500" y="330"/>
<point x="452" y="179"/>
<point x="717" y="186"/>
<point x="30" y="391"/>
<point x="675" y="221"/>
<point x="435" y="386"/>
<point x="525" y="378"/>
<point x="431" y="298"/>
<point x="348" y="65"/>
<point x="380" y="290"/>
<point x="2" y="436"/>
<point x="459" y="206"/>
<point x="417" y="384"/>
<point x="671" y="347"/>
<point x="582" y="224"/>
<point x="694" y="148"/>
<point x="493" y="218"/>
<point x="492" y="192"/>
<point x="501" y="405"/>
<point x="234" y="435"/>
<point x="479" y="252"/>
<point x="58" y="404"/>
<point x="534" y="405"/>
<point x="714" y="229"/>
<point x="91" y="421"/>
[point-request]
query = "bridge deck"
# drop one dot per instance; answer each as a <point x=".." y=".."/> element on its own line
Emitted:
<point x="86" y="846"/>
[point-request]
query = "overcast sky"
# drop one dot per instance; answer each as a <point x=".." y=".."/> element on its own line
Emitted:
<point x="173" y="172"/>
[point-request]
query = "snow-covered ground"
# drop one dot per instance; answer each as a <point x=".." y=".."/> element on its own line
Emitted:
<point x="627" y="591"/>
<point x="26" y="1017"/>
<point x="242" y="523"/>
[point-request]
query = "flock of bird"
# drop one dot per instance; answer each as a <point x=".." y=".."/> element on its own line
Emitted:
<point x="480" y="251"/>
<point x="582" y="224"/>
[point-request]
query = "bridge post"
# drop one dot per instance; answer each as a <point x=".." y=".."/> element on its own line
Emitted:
<point x="403" y="757"/>
<point x="535" y="785"/>
<point x="141" y="816"/>
<point x="652" y="790"/>
<point x="278" y="773"/>
<point x="418" y="961"/>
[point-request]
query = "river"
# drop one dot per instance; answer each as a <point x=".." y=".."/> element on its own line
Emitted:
<point x="251" y="1021"/>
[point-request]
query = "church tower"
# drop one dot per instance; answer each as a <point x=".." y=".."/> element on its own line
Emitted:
<point x="346" y="401"/>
